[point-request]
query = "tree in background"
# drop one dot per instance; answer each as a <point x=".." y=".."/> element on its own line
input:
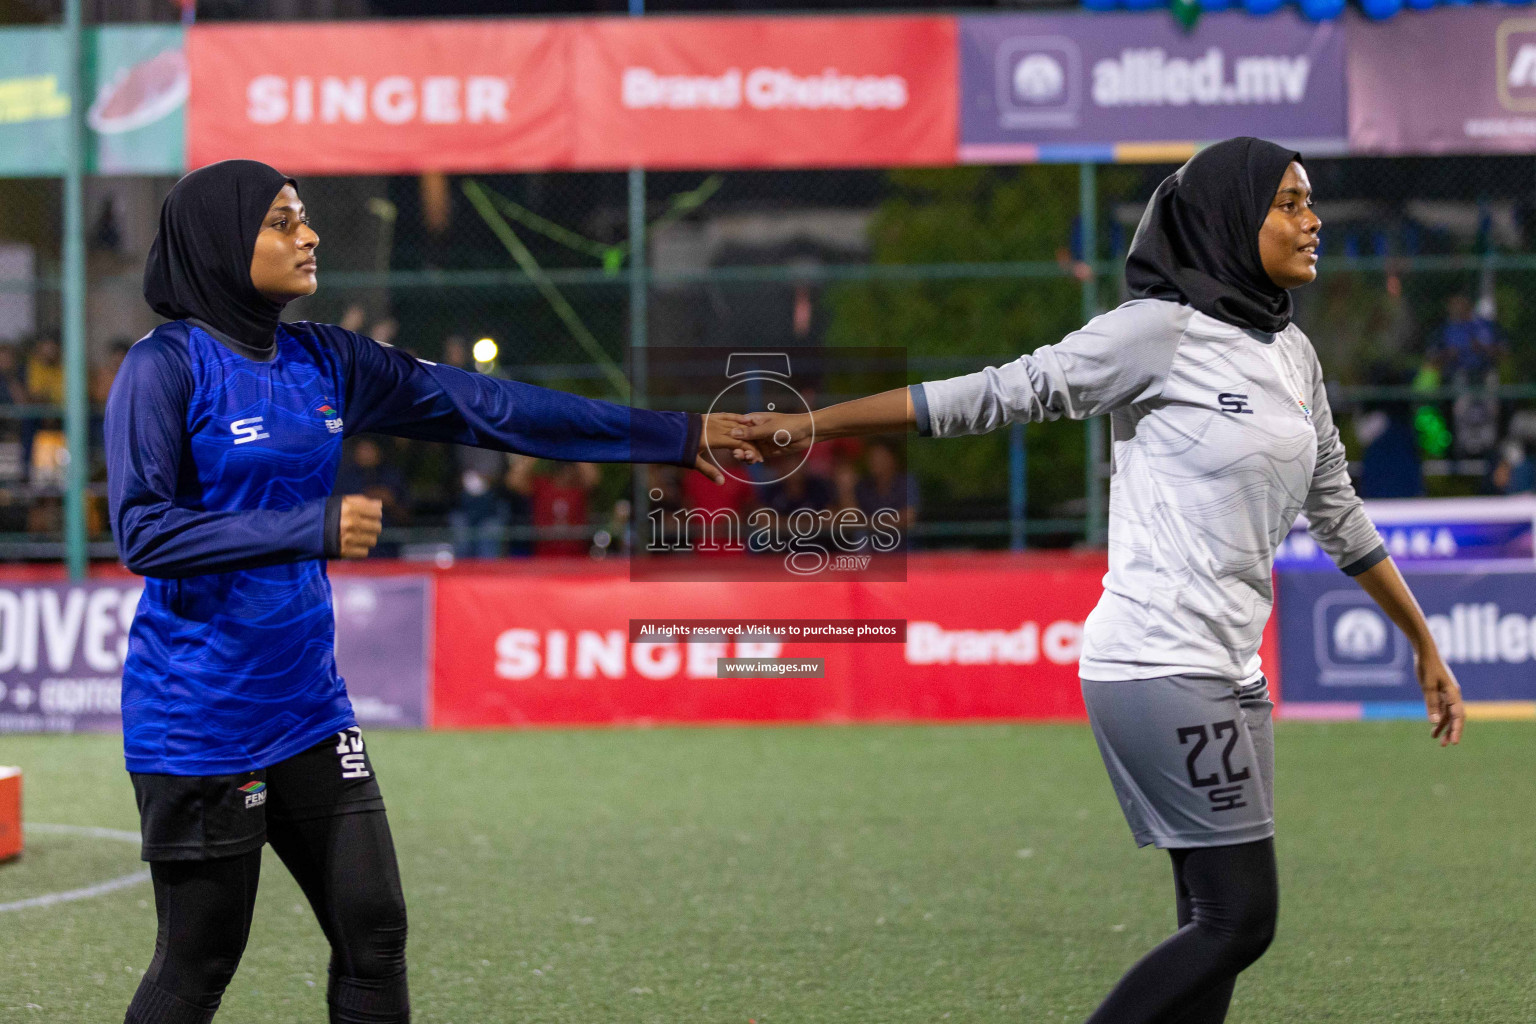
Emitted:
<point x="967" y="215"/>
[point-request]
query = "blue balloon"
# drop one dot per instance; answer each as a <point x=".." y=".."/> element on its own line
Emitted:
<point x="1380" y="9"/>
<point x="1101" y="5"/>
<point x="1423" y="5"/>
<point x="1262" y="7"/>
<point x="1321" y="10"/>
<point x="1216" y="5"/>
<point x="1144" y="5"/>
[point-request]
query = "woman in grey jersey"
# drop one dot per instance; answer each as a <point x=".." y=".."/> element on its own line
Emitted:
<point x="1221" y="435"/>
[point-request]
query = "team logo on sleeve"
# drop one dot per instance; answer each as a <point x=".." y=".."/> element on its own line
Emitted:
<point x="331" y="415"/>
<point x="255" y="793"/>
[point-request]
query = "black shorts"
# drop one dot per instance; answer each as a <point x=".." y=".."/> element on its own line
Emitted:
<point x="200" y="817"/>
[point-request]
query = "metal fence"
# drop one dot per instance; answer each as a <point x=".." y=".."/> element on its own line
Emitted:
<point x="963" y="267"/>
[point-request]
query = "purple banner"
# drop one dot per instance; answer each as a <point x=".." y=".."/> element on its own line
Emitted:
<point x="381" y="646"/>
<point x="1337" y="646"/>
<point x="1452" y="80"/>
<point x="1423" y="533"/>
<point x="61" y="655"/>
<point x="1128" y="86"/>
<point x="62" y="649"/>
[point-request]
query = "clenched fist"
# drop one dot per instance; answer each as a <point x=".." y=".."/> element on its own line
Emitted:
<point x="361" y="520"/>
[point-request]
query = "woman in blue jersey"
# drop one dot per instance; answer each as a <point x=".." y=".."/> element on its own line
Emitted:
<point x="223" y="436"/>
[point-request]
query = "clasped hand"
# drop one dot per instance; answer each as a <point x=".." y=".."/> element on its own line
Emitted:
<point x="720" y="436"/>
<point x="774" y="434"/>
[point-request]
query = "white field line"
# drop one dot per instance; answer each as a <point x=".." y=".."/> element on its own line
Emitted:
<point x="49" y="899"/>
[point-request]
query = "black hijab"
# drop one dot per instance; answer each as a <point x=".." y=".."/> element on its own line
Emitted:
<point x="1198" y="242"/>
<point x="199" y="266"/>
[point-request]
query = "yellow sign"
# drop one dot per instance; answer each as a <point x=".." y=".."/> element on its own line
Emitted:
<point x="32" y="98"/>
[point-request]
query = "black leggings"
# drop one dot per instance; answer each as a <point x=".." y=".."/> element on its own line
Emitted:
<point x="346" y="866"/>
<point x="1228" y="901"/>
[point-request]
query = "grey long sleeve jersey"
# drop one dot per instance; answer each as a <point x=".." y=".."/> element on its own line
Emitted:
<point x="1221" y="436"/>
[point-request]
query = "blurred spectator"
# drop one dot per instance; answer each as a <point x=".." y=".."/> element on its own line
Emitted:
<point x="661" y="529"/>
<point x="887" y="486"/>
<point x="13" y="385"/>
<point x="45" y="372"/>
<point x="364" y="471"/>
<point x="385" y="331"/>
<point x="1467" y="354"/>
<point x="801" y="489"/>
<point x="1515" y="472"/>
<point x="15" y="434"/>
<point x="1390" y="466"/>
<point x="494" y="490"/>
<point x="105" y="372"/>
<point x="353" y="318"/>
<point x="1470" y="344"/>
<point x="845" y="484"/>
<point x="45" y="515"/>
<point x="1389" y="350"/>
<point x="613" y="539"/>
<point x="559" y="502"/>
<point x="49" y="457"/>
<point x="456" y="352"/>
<point x="736" y="496"/>
<point x="486" y="505"/>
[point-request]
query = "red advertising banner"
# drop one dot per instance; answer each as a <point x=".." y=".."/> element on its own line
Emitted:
<point x="390" y="97"/>
<point x="988" y="636"/>
<point x="382" y="97"/>
<point x="766" y="92"/>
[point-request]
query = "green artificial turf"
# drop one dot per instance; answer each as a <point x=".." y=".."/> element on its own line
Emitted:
<point x="817" y="875"/>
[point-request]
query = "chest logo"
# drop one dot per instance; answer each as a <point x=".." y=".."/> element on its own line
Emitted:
<point x="331" y="415"/>
<point x="1234" y="403"/>
<point x="248" y="429"/>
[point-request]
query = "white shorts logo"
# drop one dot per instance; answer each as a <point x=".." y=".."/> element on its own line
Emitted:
<point x="349" y="746"/>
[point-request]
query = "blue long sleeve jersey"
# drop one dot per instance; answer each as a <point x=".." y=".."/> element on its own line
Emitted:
<point x="219" y="476"/>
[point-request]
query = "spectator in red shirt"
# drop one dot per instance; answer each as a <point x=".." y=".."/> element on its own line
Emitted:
<point x="560" y="501"/>
<point x="736" y="496"/>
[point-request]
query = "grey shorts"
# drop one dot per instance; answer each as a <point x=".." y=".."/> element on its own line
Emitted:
<point x="1191" y="758"/>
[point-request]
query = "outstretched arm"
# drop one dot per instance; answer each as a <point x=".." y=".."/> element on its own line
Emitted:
<point x="780" y="433"/>
<point x="1115" y="360"/>
<point x="391" y="392"/>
